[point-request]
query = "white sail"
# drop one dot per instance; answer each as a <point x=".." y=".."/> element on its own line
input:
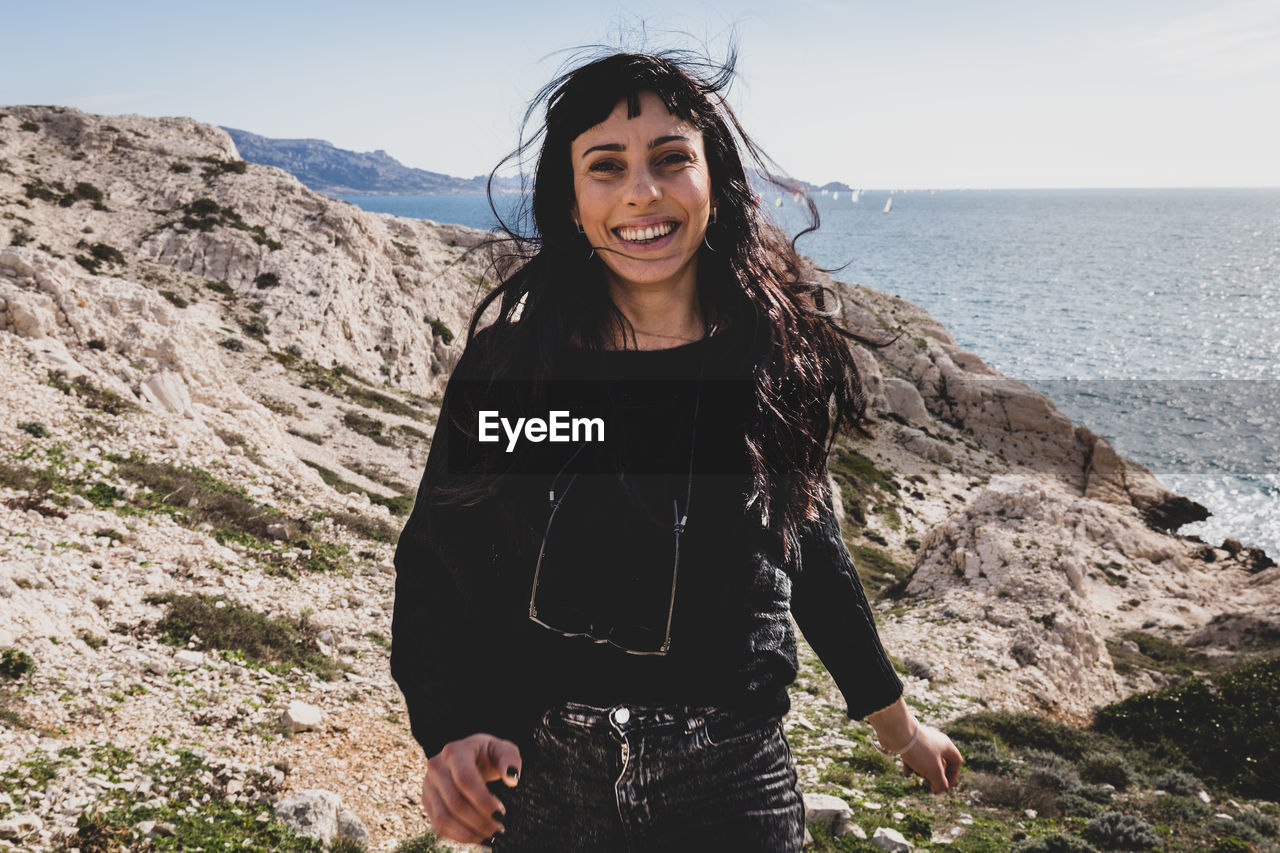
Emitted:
<point x="888" y="204"/>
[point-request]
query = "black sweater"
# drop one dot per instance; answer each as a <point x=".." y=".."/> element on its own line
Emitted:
<point x="469" y="659"/>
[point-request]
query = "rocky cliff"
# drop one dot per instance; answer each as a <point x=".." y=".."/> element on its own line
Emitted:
<point x="219" y="383"/>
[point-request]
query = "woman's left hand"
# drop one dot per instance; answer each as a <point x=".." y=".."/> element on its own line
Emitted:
<point x="935" y="758"/>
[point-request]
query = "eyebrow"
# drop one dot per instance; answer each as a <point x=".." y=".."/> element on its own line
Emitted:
<point x="618" y="146"/>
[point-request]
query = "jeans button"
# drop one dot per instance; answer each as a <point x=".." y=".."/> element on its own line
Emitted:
<point x="621" y="715"/>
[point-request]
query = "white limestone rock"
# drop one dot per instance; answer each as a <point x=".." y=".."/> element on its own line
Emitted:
<point x="302" y="717"/>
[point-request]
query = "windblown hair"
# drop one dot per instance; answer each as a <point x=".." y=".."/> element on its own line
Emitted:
<point x="807" y="387"/>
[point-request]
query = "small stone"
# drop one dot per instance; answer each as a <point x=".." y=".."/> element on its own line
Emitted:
<point x="1204" y="796"/>
<point x="19" y="826"/>
<point x="891" y="840"/>
<point x="302" y="717"/>
<point x="189" y="658"/>
<point x="1030" y="813"/>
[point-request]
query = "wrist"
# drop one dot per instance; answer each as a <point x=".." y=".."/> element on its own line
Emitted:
<point x="895" y="726"/>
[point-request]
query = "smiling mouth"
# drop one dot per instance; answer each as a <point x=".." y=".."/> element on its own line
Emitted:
<point x="650" y="234"/>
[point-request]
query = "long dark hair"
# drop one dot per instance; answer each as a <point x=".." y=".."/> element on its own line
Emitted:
<point x="552" y="288"/>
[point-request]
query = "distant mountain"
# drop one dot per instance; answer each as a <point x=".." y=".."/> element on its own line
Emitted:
<point x="335" y="171"/>
<point x="331" y="170"/>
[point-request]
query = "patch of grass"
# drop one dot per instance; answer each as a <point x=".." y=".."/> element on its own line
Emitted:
<point x="225" y="624"/>
<point x="266" y="280"/>
<point x="877" y="568"/>
<point x="428" y="842"/>
<point x="399" y="505"/>
<point x="338" y="382"/>
<point x="91" y="396"/>
<point x="174" y="488"/>
<point x="221" y="288"/>
<point x="176" y="300"/>
<point x="196" y="805"/>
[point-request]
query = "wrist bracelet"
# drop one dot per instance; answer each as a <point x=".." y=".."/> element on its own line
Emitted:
<point x="875" y="741"/>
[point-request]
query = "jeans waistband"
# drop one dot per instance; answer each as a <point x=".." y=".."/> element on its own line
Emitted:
<point x="624" y="718"/>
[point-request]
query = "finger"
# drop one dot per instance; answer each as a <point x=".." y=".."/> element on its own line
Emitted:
<point x="953" y="769"/>
<point x="480" y="806"/>
<point x="442" y="822"/>
<point x="500" y="759"/>
<point x="459" y="811"/>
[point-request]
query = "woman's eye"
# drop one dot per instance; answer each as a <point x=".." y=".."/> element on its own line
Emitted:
<point x="675" y="158"/>
<point x="604" y="166"/>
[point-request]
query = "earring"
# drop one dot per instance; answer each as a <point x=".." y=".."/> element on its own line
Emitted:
<point x="706" y="242"/>
<point x="714" y="211"/>
<point x="579" y="224"/>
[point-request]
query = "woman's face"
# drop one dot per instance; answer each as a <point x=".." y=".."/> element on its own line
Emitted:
<point x="643" y="195"/>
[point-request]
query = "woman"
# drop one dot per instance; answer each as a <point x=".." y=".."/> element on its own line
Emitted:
<point x="593" y="636"/>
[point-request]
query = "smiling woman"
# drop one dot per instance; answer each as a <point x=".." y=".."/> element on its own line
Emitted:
<point x="643" y="200"/>
<point x="594" y="638"/>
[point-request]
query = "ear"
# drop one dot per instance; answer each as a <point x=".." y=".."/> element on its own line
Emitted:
<point x="573" y="212"/>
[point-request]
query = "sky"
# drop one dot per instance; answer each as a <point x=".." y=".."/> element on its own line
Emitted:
<point x="890" y="94"/>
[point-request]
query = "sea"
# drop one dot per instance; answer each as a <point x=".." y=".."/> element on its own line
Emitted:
<point x="1152" y="316"/>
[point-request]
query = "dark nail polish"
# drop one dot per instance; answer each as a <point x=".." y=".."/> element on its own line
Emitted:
<point x="497" y="815"/>
<point x="513" y="772"/>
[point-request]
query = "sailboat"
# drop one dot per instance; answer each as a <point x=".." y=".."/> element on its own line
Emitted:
<point x="835" y="196"/>
<point x="888" y="204"/>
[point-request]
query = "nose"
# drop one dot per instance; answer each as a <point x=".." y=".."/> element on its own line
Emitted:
<point x="642" y="187"/>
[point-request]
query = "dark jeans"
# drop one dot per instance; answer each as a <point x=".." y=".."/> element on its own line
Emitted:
<point x="636" y="779"/>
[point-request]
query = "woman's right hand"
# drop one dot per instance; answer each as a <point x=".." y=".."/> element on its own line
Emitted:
<point x="454" y="792"/>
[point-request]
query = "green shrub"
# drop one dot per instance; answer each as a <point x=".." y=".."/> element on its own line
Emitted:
<point x="35" y="429"/>
<point x="266" y="279"/>
<point x="1226" y="727"/>
<point x="1115" y="829"/>
<point x="1231" y="845"/>
<point x="1177" y="782"/>
<point x="29" y="126"/>
<point x="440" y="330"/>
<point x="180" y="168"/>
<point x="233" y="344"/>
<point x="1225" y="827"/>
<point x="1175" y="809"/>
<point x="1265" y="826"/>
<point x="1107" y="769"/>
<point x="1073" y="804"/>
<point x="988" y="756"/>
<point x="1056" y="843"/>
<point x="1021" y="730"/>
<point x="15" y="663"/>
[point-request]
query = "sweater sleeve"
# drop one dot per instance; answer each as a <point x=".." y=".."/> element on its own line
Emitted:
<point x="832" y="611"/>
<point x="432" y="660"/>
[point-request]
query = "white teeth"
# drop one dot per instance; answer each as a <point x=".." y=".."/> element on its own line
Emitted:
<point x="652" y="232"/>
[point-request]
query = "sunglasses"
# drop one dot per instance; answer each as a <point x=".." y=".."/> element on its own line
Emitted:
<point x="611" y="567"/>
